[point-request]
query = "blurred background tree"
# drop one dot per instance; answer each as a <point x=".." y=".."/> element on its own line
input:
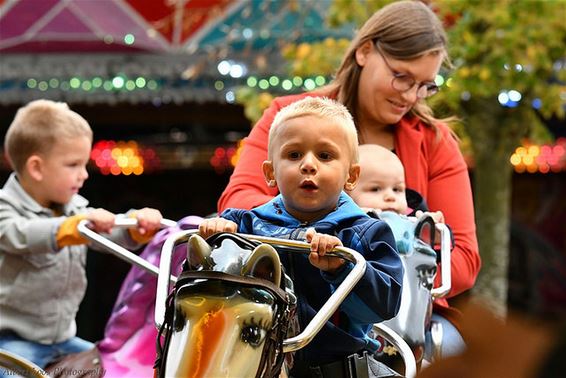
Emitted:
<point x="509" y="60"/>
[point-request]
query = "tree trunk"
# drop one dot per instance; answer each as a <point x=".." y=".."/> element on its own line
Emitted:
<point x="495" y="133"/>
<point x="492" y="184"/>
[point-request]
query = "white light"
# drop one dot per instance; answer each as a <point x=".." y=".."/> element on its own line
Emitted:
<point x="224" y="67"/>
<point x="248" y="33"/>
<point x="236" y="71"/>
<point x="503" y="98"/>
<point x="118" y="82"/>
<point x="518" y="67"/>
<point x="309" y="84"/>
<point x="230" y="97"/>
<point x="514" y="95"/>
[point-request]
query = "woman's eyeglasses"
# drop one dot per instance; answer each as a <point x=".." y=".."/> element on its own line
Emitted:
<point x="403" y="82"/>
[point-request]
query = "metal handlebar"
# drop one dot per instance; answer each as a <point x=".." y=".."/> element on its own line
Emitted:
<point x="14" y="365"/>
<point x="445" y="274"/>
<point x="401" y="345"/>
<point x="316" y="323"/>
<point x="119" y="251"/>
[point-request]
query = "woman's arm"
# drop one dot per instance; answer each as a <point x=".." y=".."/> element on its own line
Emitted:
<point x="449" y="191"/>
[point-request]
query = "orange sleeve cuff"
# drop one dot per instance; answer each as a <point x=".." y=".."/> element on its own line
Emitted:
<point x="68" y="234"/>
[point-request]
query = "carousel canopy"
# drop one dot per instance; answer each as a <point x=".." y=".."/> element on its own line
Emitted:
<point x="107" y="51"/>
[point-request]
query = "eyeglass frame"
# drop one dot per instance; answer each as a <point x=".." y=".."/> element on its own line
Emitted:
<point x="428" y="85"/>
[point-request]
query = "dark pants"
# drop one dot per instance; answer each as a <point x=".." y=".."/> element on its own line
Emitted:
<point x="354" y="366"/>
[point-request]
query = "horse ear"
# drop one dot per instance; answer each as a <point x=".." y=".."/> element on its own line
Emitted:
<point x="198" y="251"/>
<point x="264" y="263"/>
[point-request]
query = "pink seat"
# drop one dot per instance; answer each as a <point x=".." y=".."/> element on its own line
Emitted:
<point x="128" y="346"/>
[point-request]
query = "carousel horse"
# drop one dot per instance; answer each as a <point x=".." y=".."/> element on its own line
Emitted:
<point x="415" y="239"/>
<point x="228" y="314"/>
<point x="230" y="311"/>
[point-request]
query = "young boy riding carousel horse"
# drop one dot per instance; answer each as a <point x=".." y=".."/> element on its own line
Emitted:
<point x="312" y="158"/>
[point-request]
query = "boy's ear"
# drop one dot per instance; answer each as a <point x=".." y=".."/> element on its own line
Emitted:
<point x="353" y="177"/>
<point x="34" y="167"/>
<point x="362" y="53"/>
<point x="267" y="168"/>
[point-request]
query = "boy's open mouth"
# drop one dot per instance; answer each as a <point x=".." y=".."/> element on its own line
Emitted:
<point x="308" y="185"/>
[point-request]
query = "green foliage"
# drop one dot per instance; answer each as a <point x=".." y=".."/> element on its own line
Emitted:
<point x="320" y="58"/>
<point x="353" y="11"/>
<point x="494" y="46"/>
<point x="507" y="44"/>
<point x="254" y="102"/>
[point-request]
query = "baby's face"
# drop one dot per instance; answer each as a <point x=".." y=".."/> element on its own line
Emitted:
<point x="311" y="164"/>
<point x="63" y="170"/>
<point x="381" y="186"/>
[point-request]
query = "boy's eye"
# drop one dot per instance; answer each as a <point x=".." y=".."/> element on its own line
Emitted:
<point x="294" y="155"/>
<point x="375" y="189"/>
<point x="325" y="156"/>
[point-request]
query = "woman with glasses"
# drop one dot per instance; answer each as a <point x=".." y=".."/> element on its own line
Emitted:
<point x="384" y="79"/>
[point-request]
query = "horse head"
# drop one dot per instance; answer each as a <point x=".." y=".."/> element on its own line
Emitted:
<point x="227" y="312"/>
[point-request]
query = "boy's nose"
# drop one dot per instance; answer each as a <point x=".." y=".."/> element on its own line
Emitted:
<point x="308" y="164"/>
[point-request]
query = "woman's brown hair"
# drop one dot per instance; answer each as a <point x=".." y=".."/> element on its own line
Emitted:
<point x="405" y="30"/>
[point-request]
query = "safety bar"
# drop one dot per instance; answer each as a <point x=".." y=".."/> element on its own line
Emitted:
<point x="119" y="251"/>
<point x="316" y="323"/>
<point x="401" y="345"/>
<point x="445" y="252"/>
<point x="14" y="365"/>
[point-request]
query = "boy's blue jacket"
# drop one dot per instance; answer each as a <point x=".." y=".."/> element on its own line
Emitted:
<point x="375" y="298"/>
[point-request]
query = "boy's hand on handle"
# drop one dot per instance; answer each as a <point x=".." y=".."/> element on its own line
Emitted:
<point x="213" y="226"/>
<point x="149" y="220"/>
<point x="320" y="245"/>
<point x="101" y="220"/>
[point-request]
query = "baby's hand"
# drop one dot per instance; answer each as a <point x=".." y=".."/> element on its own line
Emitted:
<point x="212" y="226"/>
<point x="320" y="245"/>
<point x="149" y="220"/>
<point x="101" y="220"/>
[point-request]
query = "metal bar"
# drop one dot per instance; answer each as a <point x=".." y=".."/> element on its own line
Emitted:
<point x="400" y="344"/>
<point x="445" y="274"/>
<point x="119" y="251"/>
<point x="14" y="365"/>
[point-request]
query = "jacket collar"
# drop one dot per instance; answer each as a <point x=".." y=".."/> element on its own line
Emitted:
<point x="17" y="192"/>
<point x="274" y="211"/>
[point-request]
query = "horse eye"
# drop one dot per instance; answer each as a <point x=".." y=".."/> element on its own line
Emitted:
<point x="252" y="335"/>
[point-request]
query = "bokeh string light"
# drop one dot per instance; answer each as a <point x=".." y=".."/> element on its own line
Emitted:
<point x="531" y="158"/>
